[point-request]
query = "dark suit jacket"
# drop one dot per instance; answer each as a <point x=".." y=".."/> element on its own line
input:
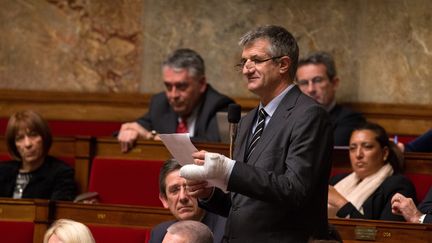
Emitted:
<point x="215" y="222"/>
<point x="162" y="118"/>
<point x="344" y="121"/>
<point x="280" y="194"/>
<point x="53" y="180"/>
<point x="426" y="207"/>
<point x="421" y="144"/>
<point x="378" y="205"/>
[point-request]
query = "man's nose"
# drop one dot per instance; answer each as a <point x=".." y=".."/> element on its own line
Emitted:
<point x="310" y="87"/>
<point x="359" y="152"/>
<point x="184" y="193"/>
<point x="27" y="141"/>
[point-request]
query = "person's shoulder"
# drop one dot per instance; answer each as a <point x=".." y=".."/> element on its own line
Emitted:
<point x="56" y="164"/>
<point x="345" y="112"/>
<point x="162" y="227"/>
<point x="9" y="165"/>
<point x="213" y="94"/>
<point x="397" y="179"/>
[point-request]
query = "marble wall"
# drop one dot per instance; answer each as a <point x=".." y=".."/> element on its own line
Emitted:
<point x="383" y="48"/>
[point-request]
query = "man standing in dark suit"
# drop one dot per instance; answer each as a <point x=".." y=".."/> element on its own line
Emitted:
<point x="316" y="77"/>
<point x="188" y="104"/>
<point x="277" y="182"/>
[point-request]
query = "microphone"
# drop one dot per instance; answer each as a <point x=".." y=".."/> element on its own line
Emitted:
<point x="234" y="114"/>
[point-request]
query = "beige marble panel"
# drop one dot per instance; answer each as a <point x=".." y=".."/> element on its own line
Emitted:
<point x="88" y="46"/>
<point x="382" y="47"/>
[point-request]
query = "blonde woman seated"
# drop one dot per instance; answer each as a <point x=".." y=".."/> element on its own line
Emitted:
<point x="366" y="192"/>
<point x="68" y="231"/>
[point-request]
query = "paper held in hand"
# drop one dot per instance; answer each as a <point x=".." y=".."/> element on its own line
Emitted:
<point x="180" y="147"/>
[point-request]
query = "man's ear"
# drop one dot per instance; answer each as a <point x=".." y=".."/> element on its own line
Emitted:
<point x="335" y="82"/>
<point x="285" y="64"/>
<point x="203" y="84"/>
<point x="164" y="200"/>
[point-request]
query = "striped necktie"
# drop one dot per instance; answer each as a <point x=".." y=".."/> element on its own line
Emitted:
<point x="257" y="133"/>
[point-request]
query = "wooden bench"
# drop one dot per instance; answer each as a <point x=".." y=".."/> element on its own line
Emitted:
<point x="23" y="219"/>
<point x="362" y="231"/>
<point x="114" y="223"/>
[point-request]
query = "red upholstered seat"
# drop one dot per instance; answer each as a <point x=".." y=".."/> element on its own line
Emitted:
<point x="4" y="157"/>
<point x="16" y="231"/>
<point x="75" y="128"/>
<point x="422" y="183"/>
<point x="120" y="181"/>
<point x="110" y="234"/>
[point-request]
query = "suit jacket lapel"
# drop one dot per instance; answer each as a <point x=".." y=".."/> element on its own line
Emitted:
<point x="275" y="125"/>
<point x="243" y="135"/>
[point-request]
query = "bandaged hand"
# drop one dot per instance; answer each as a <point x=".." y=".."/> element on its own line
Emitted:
<point x="216" y="169"/>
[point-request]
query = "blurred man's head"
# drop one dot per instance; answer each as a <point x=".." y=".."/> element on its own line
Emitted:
<point x="316" y="77"/>
<point x="184" y="77"/>
<point x="173" y="193"/>
<point x="188" y="231"/>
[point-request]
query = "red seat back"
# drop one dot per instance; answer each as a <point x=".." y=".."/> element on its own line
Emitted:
<point x="16" y="231"/>
<point x="120" y="181"/>
<point x="110" y="234"/>
<point x="422" y="183"/>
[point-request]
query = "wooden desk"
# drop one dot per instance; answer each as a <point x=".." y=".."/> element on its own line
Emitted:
<point x="361" y="231"/>
<point x="112" y="215"/>
<point x="35" y="211"/>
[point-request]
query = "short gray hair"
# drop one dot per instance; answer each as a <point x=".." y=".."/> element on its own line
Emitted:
<point x="193" y="231"/>
<point x="320" y="57"/>
<point x="186" y="59"/>
<point x="282" y="43"/>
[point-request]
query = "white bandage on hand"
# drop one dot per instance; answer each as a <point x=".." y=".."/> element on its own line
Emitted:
<point x="216" y="169"/>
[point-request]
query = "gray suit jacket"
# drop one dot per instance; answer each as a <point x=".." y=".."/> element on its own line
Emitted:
<point x="280" y="194"/>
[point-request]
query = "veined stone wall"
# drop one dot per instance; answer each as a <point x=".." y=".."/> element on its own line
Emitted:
<point x="382" y="48"/>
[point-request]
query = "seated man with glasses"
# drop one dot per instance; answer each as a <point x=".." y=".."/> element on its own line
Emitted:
<point x="188" y="105"/>
<point x="316" y="77"/>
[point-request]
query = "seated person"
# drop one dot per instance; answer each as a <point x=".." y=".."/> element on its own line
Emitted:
<point x="189" y="103"/>
<point x="366" y="192"/>
<point x="406" y="207"/>
<point x="186" y="231"/>
<point x="174" y="196"/>
<point x="316" y="77"/>
<point x="422" y="144"/>
<point x="33" y="173"/>
<point x="68" y="231"/>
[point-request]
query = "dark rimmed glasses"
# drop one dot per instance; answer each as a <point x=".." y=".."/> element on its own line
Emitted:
<point x="253" y="62"/>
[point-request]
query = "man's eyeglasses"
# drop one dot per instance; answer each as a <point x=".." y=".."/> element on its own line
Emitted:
<point x="253" y="62"/>
<point x="314" y="80"/>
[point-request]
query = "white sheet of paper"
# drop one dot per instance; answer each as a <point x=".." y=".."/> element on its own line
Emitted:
<point x="180" y="147"/>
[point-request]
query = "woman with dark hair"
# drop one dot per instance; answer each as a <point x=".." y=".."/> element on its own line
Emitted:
<point x="377" y="165"/>
<point x="33" y="173"/>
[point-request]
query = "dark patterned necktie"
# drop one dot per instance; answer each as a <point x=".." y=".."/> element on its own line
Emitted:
<point x="182" y="126"/>
<point x="257" y="133"/>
